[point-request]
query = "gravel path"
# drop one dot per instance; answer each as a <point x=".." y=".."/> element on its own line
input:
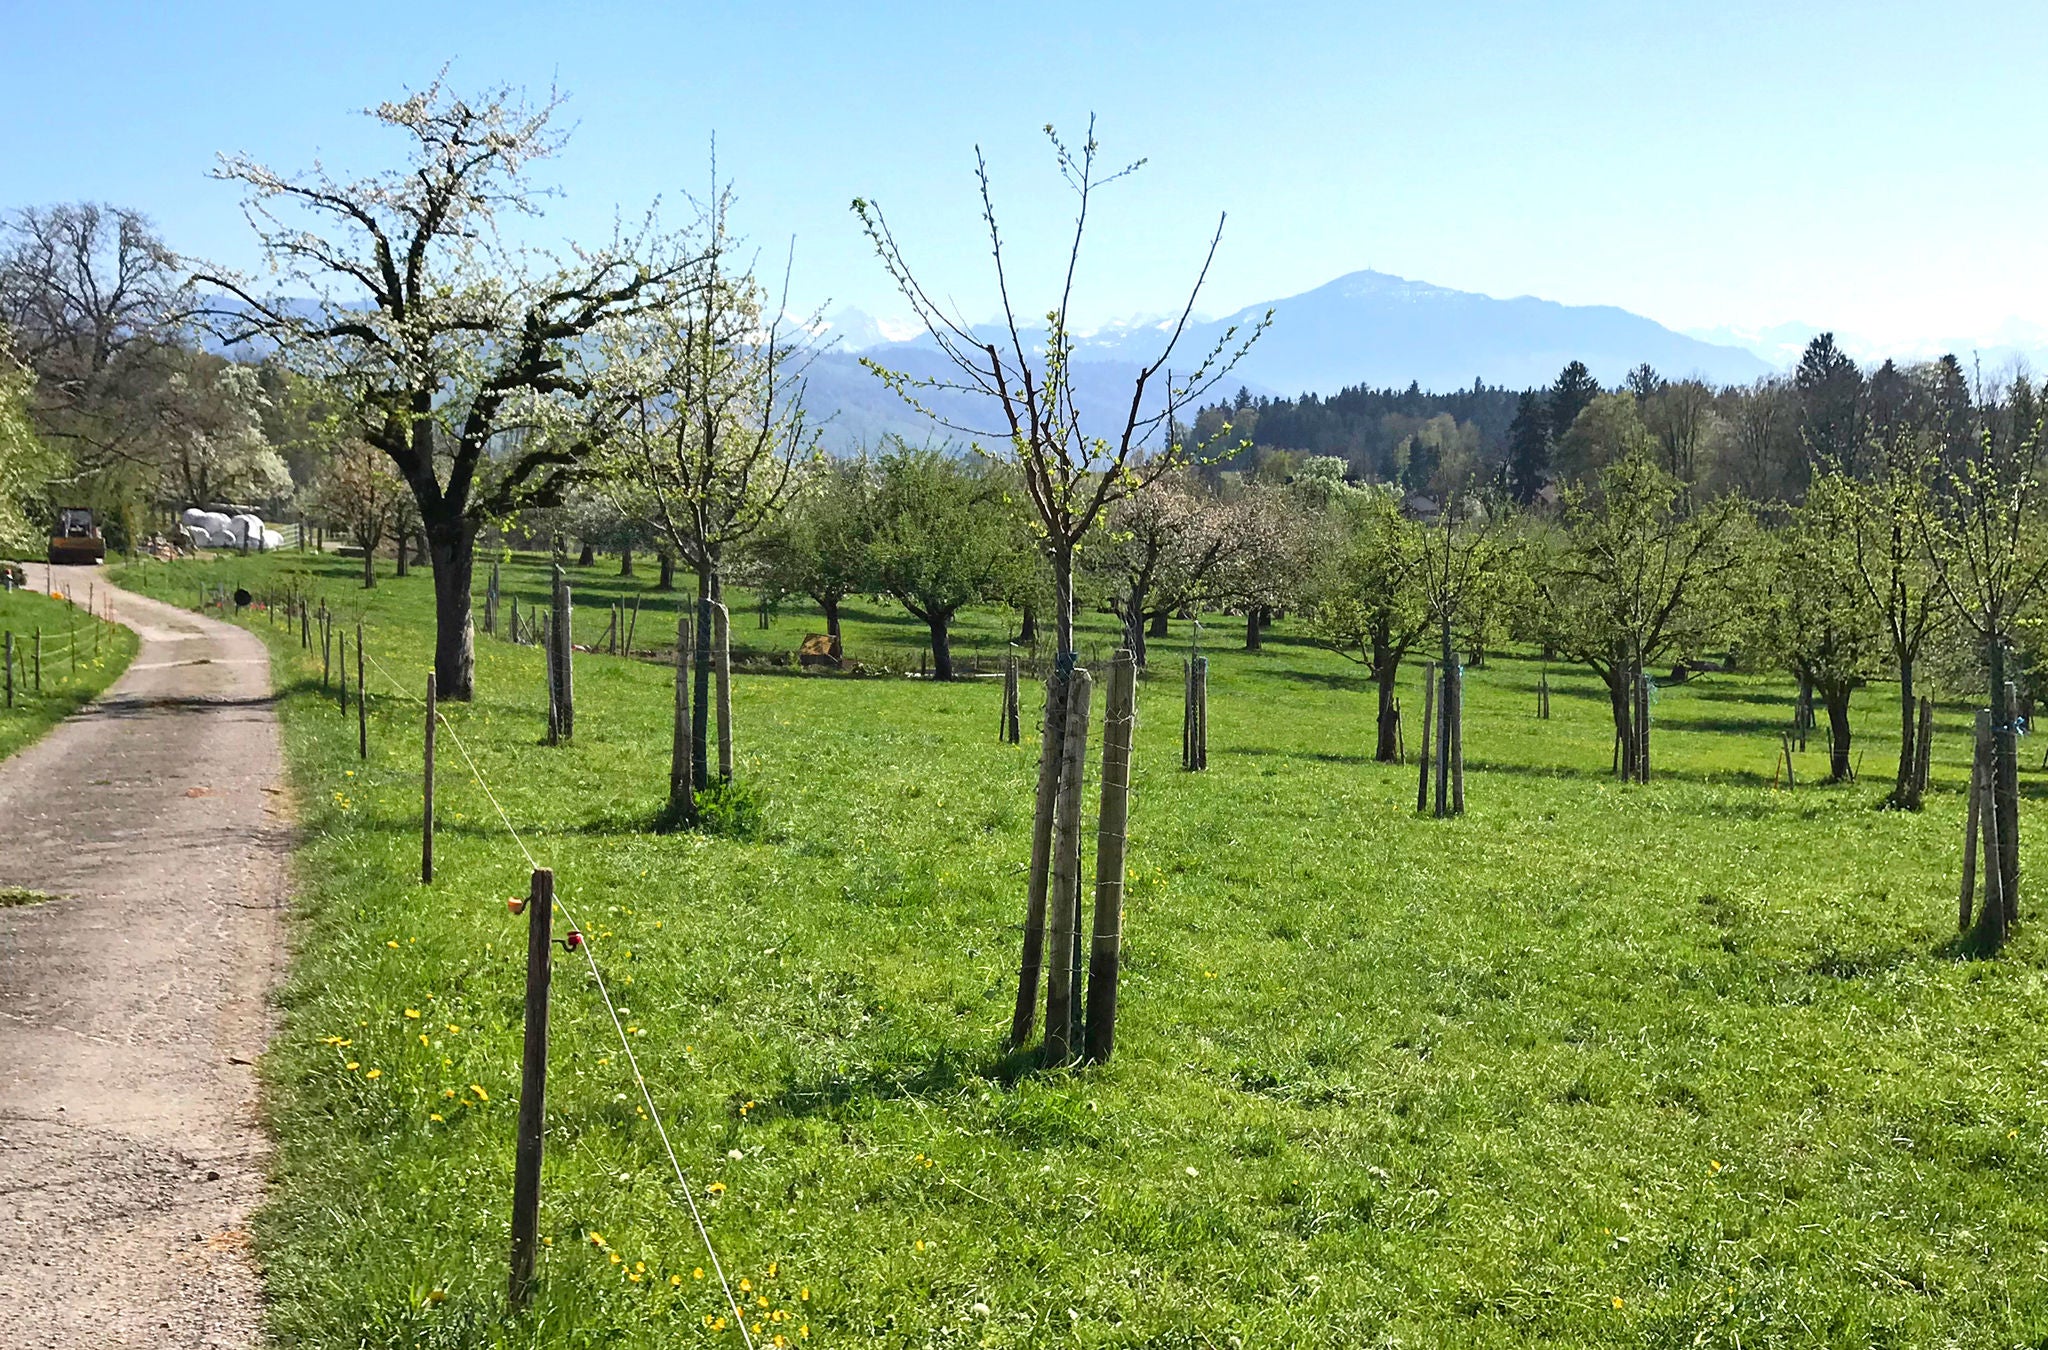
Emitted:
<point x="133" y="1007"/>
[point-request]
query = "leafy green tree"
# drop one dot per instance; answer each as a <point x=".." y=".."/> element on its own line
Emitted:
<point x="1813" y="614"/>
<point x="1159" y="550"/>
<point x="1608" y="429"/>
<point x="28" y="466"/>
<point x="941" y="538"/>
<point x="1367" y="599"/>
<point x="820" y="546"/>
<point x="1628" y="579"/>
<point x="1888" y="527"/>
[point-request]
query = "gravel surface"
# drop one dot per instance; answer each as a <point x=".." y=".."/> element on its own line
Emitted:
<point x="134" y="1004"/>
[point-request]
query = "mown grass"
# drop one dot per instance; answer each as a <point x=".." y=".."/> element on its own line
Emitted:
<point x="1691" y="1064"/>
<point x="81" y="656"/>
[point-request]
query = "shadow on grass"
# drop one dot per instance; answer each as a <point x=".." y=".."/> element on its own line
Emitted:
<point x="946" y="1073"/>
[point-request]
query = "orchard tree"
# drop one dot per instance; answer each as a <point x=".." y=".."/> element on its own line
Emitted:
<point x="1367" y="599"/>
<point x="1267" y="559"/>
<point x="1887" y="520"/>
<point x="1160" y="551"/>
<point x="210" y="440"/>
<point x="1812" y="613"/>
<point x="1988" y="541"/>
<point x="360" y="491"/>
<point x="940" y="539"/>
<point x="819" y="546"/>
<point x="466" y="357"/>
<point x="710" y="440"/>
<point x="1628" y="579"/>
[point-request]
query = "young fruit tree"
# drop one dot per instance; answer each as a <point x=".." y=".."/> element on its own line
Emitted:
<point x="1470" y="563"/>
<point x="1887" y="522"/>
<point x="1367" y="599"/>
<point x="466" y="356"/>
<point x="359" y="490"/>
<point x="711" y="440"/>
<point x="1628" y="579"/>
<point x="1811" y="612"/>
<point x="1987" y="536"/>
<point x="1158" y="552"/>
<point x="819" y="547"/>
<point x="940" y="537"/>
<point x="1014" y="393"/>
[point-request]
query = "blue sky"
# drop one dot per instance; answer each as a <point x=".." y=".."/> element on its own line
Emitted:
<point x="1876" y="166"/>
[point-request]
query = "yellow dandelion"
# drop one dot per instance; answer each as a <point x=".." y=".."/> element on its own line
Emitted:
<point x="717" y="1188"/>
<point x="1714" y="1165"/>
<point x="806" y="1294"/>
<point x="436" y="1116"/>
<point x="697" y="1274"/>
<point x="481" y="1095"/>
<point x="413" y="1013"/>
<point x="374" y="1073"/>
<point x="1617" y="1300"/>
<point x="597" y="1239"/>
<point x="920" y="1244"/>
<point x="353" y="1065"/>
<point x="615" y="1258"/>
<point x="746" y="1286"/>
<point x="761" y="1299"/>
<point x="635" y="1277"/>
<point x="675" y="1280"/>
<point x="423" y="1038"/>
<point x="393" y="945"/>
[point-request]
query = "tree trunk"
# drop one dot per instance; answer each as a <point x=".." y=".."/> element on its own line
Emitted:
<point x="1251" y="629"/>
<point x="369" y="568"/>
<point x="1158" y="625"/>
<point x="588" y="557"/>
<point x="1837" y="701"/>
<point x="404" y="561"/>
<point x="940" y="623"/>
<point x="1063" y="604"/>
<point x="1905" y="792"/>
<point x="668" y="574"/>
<point x="830" y="604"/>
<point x="1386" y="669"/>
<point x="1027" y="625"/>
<point x="1621" y="695"/>
<point x="626" y="561"/>
<point x="452" y="548"/>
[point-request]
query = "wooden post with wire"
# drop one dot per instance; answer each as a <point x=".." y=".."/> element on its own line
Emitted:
<point x="721" y="675"/>
<point x="1112" y="828"/>
<point x="533" y="1082"/>
<point x="362" y="703"/>
<point x="427" y="792"/>
<point x="682" y="798"/>
<point x="10" y="669"/>
<point x="39" y="660"/>
<point x="1051" y="737"/>
<point x="1428" y="732"/>
<point x="1063" y="904"/>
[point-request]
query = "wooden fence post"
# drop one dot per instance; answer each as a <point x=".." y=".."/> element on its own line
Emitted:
<point x="362" y="703"/>
<point x="1457" y="763"/>
<point x="632" y="625"/>
<point x="1201" y="712"/>
<point x="1064" y="902"/>
<point x="533" y="1081"/>
<point x="1425" y="742"/>
<point x="562" y="662"/>
<point x="682" y="799"/>
<point x="1052" y="732"/>
<point x="721" y="673"/>
<point x="491" y="603"/>
<point x="1011" y="730"/>
<point x="427" y="793"/>
<point x="1119" y="716"/>
<point x="1972" y="824"/>
<point x="10" y="668"/>
<point x="341" y="677"/>
<point x="38" y="641"/>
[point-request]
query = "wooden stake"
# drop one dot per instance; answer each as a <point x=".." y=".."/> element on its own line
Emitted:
<point x="427" y="793"/>
<point x="1428" y="734"/>
<point x="1052" y="732"/>
<point x="721" y="674"/>
<point x="1923" y="750"/>
<point x="341" y="682"/>
<point x="1458" y="741"/>
<point x="632" y="625"/>
<point x="1972" y="824"/>
<point x="38" y="640"/>
<point x="10" y="669"/>
<point x="681" y="796"/>
<point x="533" y="1083"/>
<point x="1201" y="712"/>
<point x="1064" y="901"/>
<point x="1119" y="715"/>
<point x="362" y="704"/>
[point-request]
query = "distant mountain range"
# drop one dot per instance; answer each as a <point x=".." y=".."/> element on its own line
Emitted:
<point x="1367" y="328"/>
<point x="2013" y="344"/>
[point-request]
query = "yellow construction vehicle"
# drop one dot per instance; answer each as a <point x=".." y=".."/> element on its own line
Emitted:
<point x="77" y="538"/>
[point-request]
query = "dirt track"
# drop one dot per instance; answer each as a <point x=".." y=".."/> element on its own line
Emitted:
<point x="133" y="1008"/>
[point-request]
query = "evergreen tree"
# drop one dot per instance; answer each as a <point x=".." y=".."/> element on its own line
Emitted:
<point x="1574" y="389"/>
<point x="1831" y="405"/>
<point x="1528" y="450"/>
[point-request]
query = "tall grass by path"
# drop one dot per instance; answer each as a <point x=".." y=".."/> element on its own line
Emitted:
<point x="102" y="652"/>
<point x="1691" y="1064"/>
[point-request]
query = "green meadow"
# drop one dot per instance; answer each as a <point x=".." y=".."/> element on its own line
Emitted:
<point x="1697" y="1063"/>
<point x="79" y="657"/>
